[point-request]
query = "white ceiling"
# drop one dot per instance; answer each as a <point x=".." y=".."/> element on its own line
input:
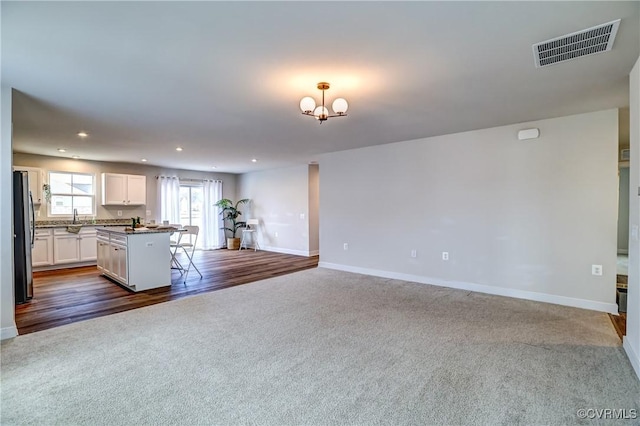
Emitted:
<point x="224" y="79"/>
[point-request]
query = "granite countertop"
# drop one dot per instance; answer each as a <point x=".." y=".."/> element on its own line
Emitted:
<point x="42" y="224"/>
<point x="128" y="231"/>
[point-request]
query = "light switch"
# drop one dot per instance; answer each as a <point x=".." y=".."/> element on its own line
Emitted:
<point x="634" y="232"/>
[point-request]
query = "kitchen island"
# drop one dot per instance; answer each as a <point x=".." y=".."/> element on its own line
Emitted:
<point x="137" y="259"/>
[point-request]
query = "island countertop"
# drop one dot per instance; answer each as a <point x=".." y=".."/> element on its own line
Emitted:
<point x="123" y="230"/>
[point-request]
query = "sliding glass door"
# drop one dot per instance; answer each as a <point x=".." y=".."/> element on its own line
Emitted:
<point x="191" y="197"/>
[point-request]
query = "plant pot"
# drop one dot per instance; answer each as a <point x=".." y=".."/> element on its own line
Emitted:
<point x="233" y="243"/>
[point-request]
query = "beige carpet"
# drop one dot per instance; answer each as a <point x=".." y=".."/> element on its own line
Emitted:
<point x="322" y="347"/>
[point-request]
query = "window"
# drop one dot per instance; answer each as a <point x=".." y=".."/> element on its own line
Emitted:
<point x="71" y="191"/>
<point x="191" y="207"/>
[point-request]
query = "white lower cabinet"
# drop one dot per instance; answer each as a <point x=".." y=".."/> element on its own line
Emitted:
<point x="69" y="247"/>
<point x="88" y="245"/>
<point x="119" y="262"/>
<point x="112" y="256"/>
<point x="42" y="252"/>
<point x="103" y="253"/>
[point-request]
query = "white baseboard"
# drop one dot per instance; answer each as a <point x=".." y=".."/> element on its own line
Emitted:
<point x="623" y="251"/>
<point x="632" y="355"/>
<point x="611" y="308"/>
<point x="287" y="251"/>
<point x="8" y="332"/>
<point x="64" y="266"/>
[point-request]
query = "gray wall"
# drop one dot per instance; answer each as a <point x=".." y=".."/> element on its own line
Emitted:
<point x="280" y="199"/>
<point x="96" y="167"/>
<point x="623" y="211"/>
<point x="7" y="322"/>
<point x="518" y="218"/>
<point x="314" y="209"/>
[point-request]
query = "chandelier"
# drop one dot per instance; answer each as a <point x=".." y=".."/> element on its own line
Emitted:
<point x="321" y="113"/>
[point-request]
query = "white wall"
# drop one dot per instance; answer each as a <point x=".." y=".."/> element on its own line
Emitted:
<point x="7" y="322"/>
<point x="97" y="167"/>
<point x="314" y="210"/>
<point x="632" y="339"/>
<point x="623" y="210"/>
<point x="518" y="218"/>
<point x="280" y="200"/>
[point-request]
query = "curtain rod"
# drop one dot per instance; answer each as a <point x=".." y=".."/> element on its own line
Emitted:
<point x="188" y="179"/>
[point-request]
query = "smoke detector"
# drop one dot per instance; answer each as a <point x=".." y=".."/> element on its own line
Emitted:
<point x="571" y="46"/>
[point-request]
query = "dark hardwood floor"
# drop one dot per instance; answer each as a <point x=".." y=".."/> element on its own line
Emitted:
<point x="69" y="295"/>
<point x="619" y="323"/>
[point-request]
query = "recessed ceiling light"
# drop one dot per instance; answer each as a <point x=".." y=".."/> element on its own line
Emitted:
<point x="75" y="157"/>
<point x="214" y="167"/>
<point x="62" y="150"/>
<point x="254" y="160"/>
<point x="83" y="134"/>
<point x="179" y="148"/>
<point x="144" y="160"/>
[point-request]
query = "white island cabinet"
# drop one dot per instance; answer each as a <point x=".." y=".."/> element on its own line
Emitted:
<point x="138" y="260"/>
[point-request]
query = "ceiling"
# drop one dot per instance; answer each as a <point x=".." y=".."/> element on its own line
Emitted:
<point x="223" y="79"/>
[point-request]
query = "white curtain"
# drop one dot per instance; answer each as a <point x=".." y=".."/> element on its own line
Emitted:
<point x="169" y="198"/>
<point x="212" y="236"/>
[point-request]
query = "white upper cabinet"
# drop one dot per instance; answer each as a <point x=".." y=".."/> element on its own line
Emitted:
<point x="36" y="180"/>
<point x="124" y="190"/>
<point x="137" y="189"/>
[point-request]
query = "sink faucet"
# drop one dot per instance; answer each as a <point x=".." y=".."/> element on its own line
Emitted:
<point x="75" y="216"/>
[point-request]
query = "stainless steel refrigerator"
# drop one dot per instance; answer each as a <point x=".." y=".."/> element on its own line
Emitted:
<point x="23" y="231"/>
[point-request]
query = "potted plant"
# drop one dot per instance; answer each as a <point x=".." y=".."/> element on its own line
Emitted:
<point x="230" y="213"/>
<point x="46" y="190"/>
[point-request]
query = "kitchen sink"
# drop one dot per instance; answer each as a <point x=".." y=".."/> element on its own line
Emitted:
<point x="74" y="229"/>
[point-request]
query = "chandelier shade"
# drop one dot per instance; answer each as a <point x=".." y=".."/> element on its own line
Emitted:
<point x="340" y="106"/>
<point x="307" y="104"/>
<point x="321" y="112"/>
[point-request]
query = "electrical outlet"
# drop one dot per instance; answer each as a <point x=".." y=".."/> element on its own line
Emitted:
<point x="445" y="255"/>
<point x="414" y="253"/>
<point x="148" y="213"/>
<point x="596" y="269"/>
<point x="119" y="212"/>
<point x="301" y="216"/>
<point x="276" y="234"/>
<point x="345" y="246"/>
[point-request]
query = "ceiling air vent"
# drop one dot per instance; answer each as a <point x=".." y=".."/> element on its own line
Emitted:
<point x="581" y="43"/>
